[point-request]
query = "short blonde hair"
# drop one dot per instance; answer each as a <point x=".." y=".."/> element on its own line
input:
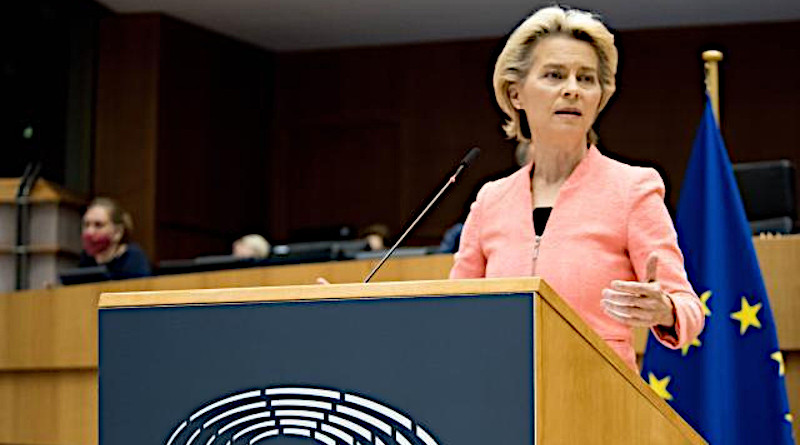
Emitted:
<point x="516" y="59"/>
<point x="257" y="244"/>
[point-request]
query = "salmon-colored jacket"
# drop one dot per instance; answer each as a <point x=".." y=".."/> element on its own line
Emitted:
<point x="608" y="217"/>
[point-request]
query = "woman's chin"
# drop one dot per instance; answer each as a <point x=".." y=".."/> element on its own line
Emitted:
<point x="566" y="131"/>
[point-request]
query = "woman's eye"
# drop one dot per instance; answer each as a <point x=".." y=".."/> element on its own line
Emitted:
<point x="552" y="75"/>
<point x="586" y="78"/>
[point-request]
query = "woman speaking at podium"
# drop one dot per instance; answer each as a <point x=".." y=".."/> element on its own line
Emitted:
<point x="595" y="229"/>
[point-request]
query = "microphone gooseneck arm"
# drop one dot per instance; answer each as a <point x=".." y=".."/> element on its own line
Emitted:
<point x="473" y="153"/>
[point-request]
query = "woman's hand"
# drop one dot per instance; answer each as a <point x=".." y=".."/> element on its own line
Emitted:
<point x="640" y="304"/>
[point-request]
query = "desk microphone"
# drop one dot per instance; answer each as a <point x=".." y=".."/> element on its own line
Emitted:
<point x="470" y="156"/>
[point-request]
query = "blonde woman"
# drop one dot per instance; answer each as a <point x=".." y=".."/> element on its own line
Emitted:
<point x="595" y="229"/>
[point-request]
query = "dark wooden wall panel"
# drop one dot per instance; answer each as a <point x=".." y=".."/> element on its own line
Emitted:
<point x="440" y="98"/>
<point x="655" y="115"/>
<point x="125" y="126"/>
<point x="399" y="120"/>
<point x="372" y="148"/>
<point x="182" y="133"/>
<point x="214" y="123"/>
<point x="248" y="141"/>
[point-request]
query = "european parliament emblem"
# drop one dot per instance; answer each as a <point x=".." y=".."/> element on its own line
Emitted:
<point x="326" y="415"/>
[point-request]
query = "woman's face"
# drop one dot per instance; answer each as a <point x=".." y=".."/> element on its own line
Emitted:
<point x="561" y="94"/>
<point x="97" y="223"/>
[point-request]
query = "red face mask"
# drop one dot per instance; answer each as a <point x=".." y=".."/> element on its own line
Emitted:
<point x="94" y="244"/>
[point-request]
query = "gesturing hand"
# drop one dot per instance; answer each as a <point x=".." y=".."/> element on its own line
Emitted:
<point x="639" y="304"/>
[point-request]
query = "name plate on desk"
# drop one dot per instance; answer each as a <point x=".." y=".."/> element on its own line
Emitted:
<point x="446" y="370"/>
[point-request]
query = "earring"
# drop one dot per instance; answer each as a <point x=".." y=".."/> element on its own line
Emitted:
<point x="524" y="128"/>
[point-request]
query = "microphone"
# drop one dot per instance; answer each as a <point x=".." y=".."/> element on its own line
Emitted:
<point x="470" y="156"/>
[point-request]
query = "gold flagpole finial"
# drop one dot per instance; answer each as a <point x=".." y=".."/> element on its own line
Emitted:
<point x="712" y="59"/>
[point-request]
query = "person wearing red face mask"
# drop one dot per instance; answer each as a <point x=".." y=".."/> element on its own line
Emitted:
<point x="106" y="241"/>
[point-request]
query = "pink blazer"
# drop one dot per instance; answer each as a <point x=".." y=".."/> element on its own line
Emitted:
<point x="608" y="217"/>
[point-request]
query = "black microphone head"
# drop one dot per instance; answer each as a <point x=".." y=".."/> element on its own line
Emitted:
<point x="471" y="155"/>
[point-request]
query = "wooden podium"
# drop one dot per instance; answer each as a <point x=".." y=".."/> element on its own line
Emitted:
<point x="471" y="362"/>
<point x="54" y="228"/>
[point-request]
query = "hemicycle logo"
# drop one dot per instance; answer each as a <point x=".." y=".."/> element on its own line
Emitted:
<point x="326" y="415"/>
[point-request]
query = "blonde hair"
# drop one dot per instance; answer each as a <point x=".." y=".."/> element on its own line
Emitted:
<point x="516" y="59"/>
<point x="257" y="243"/>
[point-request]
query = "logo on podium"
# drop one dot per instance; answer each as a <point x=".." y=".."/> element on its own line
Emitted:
<point x="325" y="415"/>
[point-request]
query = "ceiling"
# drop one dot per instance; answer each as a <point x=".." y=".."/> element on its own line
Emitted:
<point x="288" y="25"/>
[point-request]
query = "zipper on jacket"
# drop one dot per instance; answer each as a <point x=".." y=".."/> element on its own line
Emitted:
<point x="537" y="241"/>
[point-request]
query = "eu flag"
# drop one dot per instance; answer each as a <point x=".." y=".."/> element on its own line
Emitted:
<point x="729" y="382"/>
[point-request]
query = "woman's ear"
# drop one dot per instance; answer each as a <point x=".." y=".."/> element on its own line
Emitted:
<point x="118" y="232"/>
<point x="513" y="95"/>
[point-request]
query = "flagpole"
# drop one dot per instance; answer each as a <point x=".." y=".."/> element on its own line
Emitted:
<point x="712" y="58"/>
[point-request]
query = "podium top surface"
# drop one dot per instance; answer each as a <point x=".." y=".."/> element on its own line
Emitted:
<point x="323" y="292"/>
<point x="43" y="191"/>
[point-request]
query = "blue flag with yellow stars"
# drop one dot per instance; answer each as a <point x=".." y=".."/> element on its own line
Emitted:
<point x="729" y="382"/>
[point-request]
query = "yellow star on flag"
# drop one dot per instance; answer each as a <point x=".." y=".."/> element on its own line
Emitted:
<point x="778" y="357"/>
<point x="747" y="316"/>
<point x="685" y="348"/>
<point x="704" y="302"/>
<point x="660" y="386"/>
<point x="788" y="417"/>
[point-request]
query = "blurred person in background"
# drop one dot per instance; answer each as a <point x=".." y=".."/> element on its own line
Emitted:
<point x="251" y="246"/>
<point x="105" y="236"/>
<point x="375" y="235"/>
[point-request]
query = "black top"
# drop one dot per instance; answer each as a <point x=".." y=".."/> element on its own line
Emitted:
<point x="132" y="263"/>
<point x="540" y="214"/>
<point x="540" y="217"/>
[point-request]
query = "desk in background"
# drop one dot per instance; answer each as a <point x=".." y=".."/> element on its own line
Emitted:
<point x="48" y="338"/>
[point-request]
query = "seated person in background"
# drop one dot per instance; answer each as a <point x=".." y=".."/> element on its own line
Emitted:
<point x="451" y="239"/>
<point x="251" y="246"/>
<point x="106" y="241"/>
<point x="376" y="235"/>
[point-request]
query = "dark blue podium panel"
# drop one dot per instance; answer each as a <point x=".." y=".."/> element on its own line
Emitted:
<point x="393" y="371"/>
